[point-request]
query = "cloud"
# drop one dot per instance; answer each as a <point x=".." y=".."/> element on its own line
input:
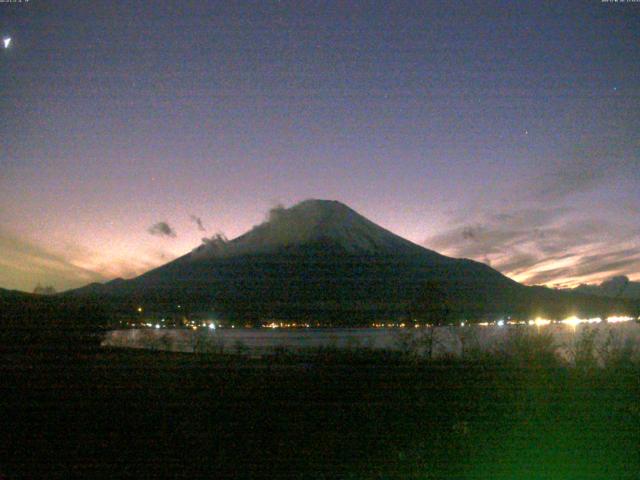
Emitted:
<point x="594" y="162"/>
<point x="608" y="263"/>
<point x="496" y="232"/>
<point x="539" y="245"/>
<point x="23" y="264"/>
<point x="162" y="229"/>
<point x="198" y="222"/>
<point x="210" y="247"/>
<point x="619" y="286"/>
<point x="519" y="262"/>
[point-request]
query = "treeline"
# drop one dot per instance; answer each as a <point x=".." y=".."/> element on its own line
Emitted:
<point x="50" y="322"/>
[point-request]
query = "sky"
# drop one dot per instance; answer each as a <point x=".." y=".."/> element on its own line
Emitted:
<point x="506" y="132"/>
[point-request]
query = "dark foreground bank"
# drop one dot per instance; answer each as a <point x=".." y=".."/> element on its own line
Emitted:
<point x="113" y="414"/>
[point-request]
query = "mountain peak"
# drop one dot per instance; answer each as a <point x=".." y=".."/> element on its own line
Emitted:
<point x="310" y="221"/>
<point x="310" y="211"/>
<point x="320" y="203"/>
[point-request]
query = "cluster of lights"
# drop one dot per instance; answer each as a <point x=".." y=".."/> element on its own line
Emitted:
<point x="575" y="321"/>
<point x="150" y="323"/>
<point x="616" y="319"/>
<point x="146" y="325"/>
<point x="612" y="319"/>
<point x="539" y="322"/>
<point x="571" y="321"/>
<point x="195" y="325"/>
<point x="287" y="325"/>
<point x="396" y="325"/>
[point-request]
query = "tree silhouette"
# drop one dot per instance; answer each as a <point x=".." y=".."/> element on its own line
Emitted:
<point x="46" y="290"/>
<point x="431" y="306"/>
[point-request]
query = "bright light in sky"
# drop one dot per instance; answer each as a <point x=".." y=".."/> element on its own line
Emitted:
<point x="6" y="42"/>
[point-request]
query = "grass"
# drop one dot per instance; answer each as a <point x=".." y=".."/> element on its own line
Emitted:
<point x="517" y="413"/>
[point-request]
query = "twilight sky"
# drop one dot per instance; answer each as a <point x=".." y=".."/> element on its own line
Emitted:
<point x="506" y="132"/>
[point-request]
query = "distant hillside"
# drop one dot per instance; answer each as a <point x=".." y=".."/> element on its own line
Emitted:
<point x="616" y="287"/>
<point x="14" y="294"/>
<point x="50" y="322"/>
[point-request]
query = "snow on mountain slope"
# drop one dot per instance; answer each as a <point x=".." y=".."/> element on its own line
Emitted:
<point x="311" y="221"/>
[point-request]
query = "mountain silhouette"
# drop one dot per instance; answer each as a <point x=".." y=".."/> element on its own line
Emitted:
<point x="321" y="260"/>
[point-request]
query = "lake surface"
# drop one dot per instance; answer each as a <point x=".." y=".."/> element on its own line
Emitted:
<point x="449" y="340"/>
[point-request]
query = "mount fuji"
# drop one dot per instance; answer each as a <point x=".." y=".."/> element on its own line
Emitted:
<point x="319" y="259"/>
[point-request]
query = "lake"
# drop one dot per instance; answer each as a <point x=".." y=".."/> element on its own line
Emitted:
<point x="449" y="340"/>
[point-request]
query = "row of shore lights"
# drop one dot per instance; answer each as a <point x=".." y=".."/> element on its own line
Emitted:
<point x="193" y="325"/>
<point x="538" y="322"/>
<point x="572" y="321"/>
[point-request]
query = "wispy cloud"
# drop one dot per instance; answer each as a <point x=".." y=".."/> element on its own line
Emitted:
<point x="590" y="267"/>
<point x="162" y="229"/>
<point x="544" y="245"/>
<point x="574" y="223"/>
<point x="198" y="222"/>
<point x="593" y="162"/>
<point x="24" y="264"/>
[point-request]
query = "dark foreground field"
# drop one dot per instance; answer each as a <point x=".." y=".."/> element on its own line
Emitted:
<point x="135" y="414"/>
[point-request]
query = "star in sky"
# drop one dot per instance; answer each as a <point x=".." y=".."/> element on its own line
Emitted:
<point x="6" y="41"/>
